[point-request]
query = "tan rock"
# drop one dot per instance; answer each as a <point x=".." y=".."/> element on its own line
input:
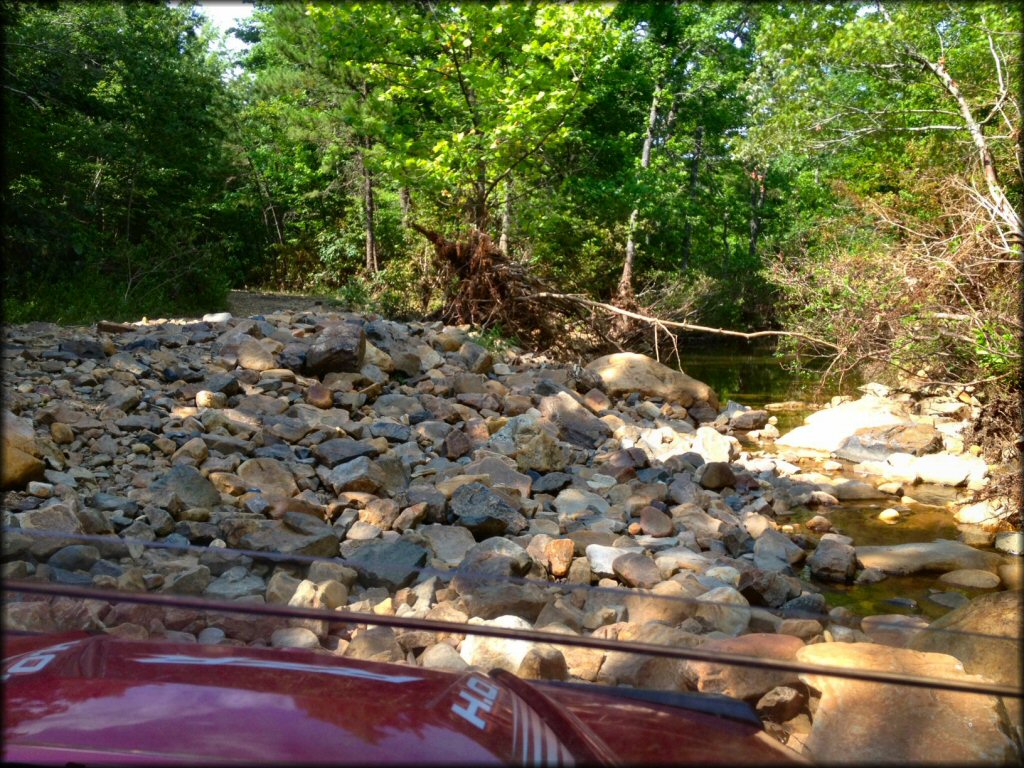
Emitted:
<point x="739" y="681"/>
<point x="985" y="635"/>
<point x="271" y="476"/>
<point x="892" y="629"/>
<point x="61" y="433"/>
<point x="865" y="722"/>
<point x="828" y="429"/>
<point x="19" y="468"/>
<point x="559" y="553"/>
<point x="626" y="372"/>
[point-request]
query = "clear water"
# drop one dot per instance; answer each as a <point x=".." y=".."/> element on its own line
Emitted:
<point x="749" y="373"/>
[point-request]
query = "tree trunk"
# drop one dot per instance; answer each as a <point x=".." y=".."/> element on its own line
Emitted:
<point x="698" y="148"/>
<point x="757" y="192"/>
<point x="369" y="210"/>
<point x="997" y="195"/>
<point x="506" y="218"/>
<point x="624" y="292"/>
<point x="405" y="199"/>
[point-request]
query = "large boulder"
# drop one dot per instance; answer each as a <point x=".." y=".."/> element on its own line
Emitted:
<point x="985" y="635"/>
<point x="339" y="348"/>
<point x="877" y="443"/>
<point x="827" y="430"/>
<point x="19" y="460"/>
<point x="940" y="555"/>
<point x="744" y="682"/>
<point x="865" y="722"/>
<point x="627" y="372"/>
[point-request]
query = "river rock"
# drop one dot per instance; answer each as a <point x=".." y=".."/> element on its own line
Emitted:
<point x="1010" y="542"/>
<point x="626" y="372"/>
<point x="748" y="419"/>
<point x="712" y="446"/>
<point x="827" y="430"/>
<point x="270" y="476"/>
<point x="938" y="555"/>
<point x="602" y="558"/>
<point x="19" y="457"/>
<point x="715" y="475"/>
<point x="750" y="683"/>
<point x="946" y="469"/>
<point x="723" y="609"/>
<point x="636" y="570"/>
<point x="859" y="722"/>
<point x="988" y="514"/>
<point x="985" y="635"/>
<point x="189" y="486"/>
<point x="877" y="443"/>
<point x="338" y="348"/>
<point x="487" y="653"/>
<point x="833" y="560"/>
<point x="388" y="564"/>
<point x="576" y="424"/>
<point x="479" y="509"/>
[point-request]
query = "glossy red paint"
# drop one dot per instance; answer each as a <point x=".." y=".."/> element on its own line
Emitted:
<point x="96" y="699"/>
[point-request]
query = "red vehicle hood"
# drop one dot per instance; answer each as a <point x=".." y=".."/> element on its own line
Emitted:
<point x="95" y="699"/>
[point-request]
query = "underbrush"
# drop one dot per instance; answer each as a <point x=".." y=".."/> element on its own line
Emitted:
<point x="917" y="300"/>
<point x="89" y="296"/>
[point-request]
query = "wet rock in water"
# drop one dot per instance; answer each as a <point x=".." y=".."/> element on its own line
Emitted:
<point x="972" y="578"/>
<point x="938" y="555"/>
<point x="877" y="443"/>
<point x="862" y="722"/>
<point x="833" y="560"/>
<point x="826" y="430"/>
<point x="893" y="629"/>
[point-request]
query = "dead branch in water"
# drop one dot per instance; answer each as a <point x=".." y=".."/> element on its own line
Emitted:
<point x="663" y="324"/>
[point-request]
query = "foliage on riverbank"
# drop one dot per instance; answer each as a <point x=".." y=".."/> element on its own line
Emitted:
<point x="851" y="171"/>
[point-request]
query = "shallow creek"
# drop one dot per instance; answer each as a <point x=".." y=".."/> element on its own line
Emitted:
<point x="750" y="374"/>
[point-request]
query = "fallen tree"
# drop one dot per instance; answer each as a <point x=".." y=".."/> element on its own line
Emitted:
<point x="490" y="289"/>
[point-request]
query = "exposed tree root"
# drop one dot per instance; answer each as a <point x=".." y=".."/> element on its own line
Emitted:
<point x="492" y="290"/>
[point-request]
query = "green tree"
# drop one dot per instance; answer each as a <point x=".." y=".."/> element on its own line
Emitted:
<point x="114" y="162"/>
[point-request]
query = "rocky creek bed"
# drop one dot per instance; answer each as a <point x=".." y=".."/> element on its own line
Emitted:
<point x="379" y="468"/>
